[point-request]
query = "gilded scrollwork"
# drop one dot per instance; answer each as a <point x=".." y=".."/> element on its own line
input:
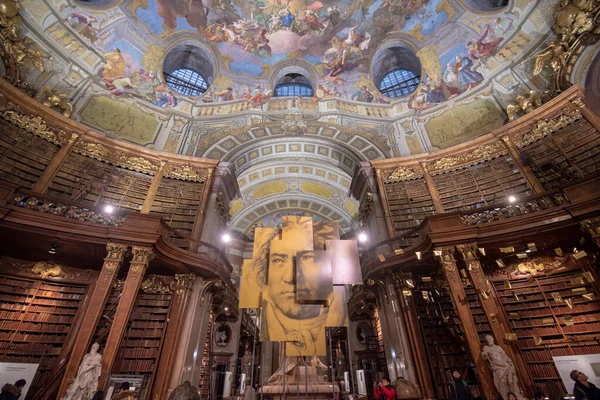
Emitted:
<point x="115" y="251"/>
<point x="186" y="172"/>
<point x="477" y="155"/>
<point x="156" y="284"/>
<point x="141" y="255"/>
<point x="404" y="174"/>
<point x="103" y="153"/>
<point x="546" y="127"/>
<point x="367" y="206"/>
<point x="36" y="125"/>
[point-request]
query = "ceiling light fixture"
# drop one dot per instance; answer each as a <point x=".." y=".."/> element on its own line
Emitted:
<point x="226" y="238"/>
<point x="362" y="237"/>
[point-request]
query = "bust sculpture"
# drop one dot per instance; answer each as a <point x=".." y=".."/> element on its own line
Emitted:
<point x="85" y="383"/>
<point x="503" y="369"/>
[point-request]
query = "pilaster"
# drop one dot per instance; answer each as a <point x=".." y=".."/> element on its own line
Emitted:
<point x="181" y="296"/>
<point x="525" y="170"/>
<point x="385" y="209"/>
<point x="101" y="291"/>
<point x="435" y="197"/>
<point x="137" y="270"/>
<point x="409" y="310"/>
<point x="459" y="299"/>
<point x="43" y="183"/>
<point x="493" y="313"/>
<point x="154" y="185"/>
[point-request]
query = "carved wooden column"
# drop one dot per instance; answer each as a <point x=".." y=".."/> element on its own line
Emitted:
<point x="385" y="204"/>
<point x="154" y="185"/>
<point x="137" y="270"/>
<point x="461" y="305"/>
<point x="494" y="314"/>
<point x="409" y="310"/>
<point x="101" y="291"/>
<point x="526" y="170"/>
<point x="435" y="197"/>
<point x="44" y="181"/>
<point x="181" y="296"/>
<point x="206" y="194"/>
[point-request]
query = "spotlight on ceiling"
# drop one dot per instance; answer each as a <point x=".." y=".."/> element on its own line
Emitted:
<point x="226" y="238"/>
<point x="512" y="199"/>
<point x="109" y="209"/>
<point x="226" y="308"/>
<point x="362" y="237"/>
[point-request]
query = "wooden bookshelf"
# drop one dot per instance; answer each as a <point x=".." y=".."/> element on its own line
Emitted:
<point x="481" y="321"/>
<point x="93" y="182"/>
<point x="443" y="338"/>
<point x="533" y="313"/>
<point x="178" y="203"/>
<point x="480" y="185"/>
<point x="23" y="156"/>
<point x="409" y="203"/>
<point x="569" y="154"/>
<point x="142" y="343"/>
<point x="35" y="318"/>
<point x="108" y="314"/>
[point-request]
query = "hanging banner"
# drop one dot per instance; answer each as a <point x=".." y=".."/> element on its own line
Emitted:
<point x="12" y="372"/>
<point x="587" y="364"/>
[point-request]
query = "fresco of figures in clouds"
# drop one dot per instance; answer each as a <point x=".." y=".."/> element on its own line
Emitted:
<point x="338" y="37"/>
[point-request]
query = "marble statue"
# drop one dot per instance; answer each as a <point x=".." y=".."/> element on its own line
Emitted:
<point x="503" y="369"/>
<point x="246" y="362"/>
<point x="85" y="383"/>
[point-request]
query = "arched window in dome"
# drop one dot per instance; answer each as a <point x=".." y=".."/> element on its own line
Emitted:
<point x="486" y="5"/>
<point x="399" y="82"/>
<point x="186" y="82"/>
<point x="293" y="85"/>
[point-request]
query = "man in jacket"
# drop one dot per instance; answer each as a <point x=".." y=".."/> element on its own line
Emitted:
<point x="383" y="390"/>
<point x="583" y="389"/>
<point x="459" y="390"/>
<point x="12" y="392"/>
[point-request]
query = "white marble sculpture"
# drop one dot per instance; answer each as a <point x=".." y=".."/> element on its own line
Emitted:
<point x="503" y="369"/>
<point x="85" y="383"/>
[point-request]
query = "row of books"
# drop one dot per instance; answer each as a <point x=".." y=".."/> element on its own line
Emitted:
<point x="147" y="310"/>
<point x="147" y="325"/>
<point x="37" y="301"/>
<point x="50" y="318"/>
<point x="4" y="280"/>
<point x="545" y="312"/>
<point x="25" y="347"/>
<point x="140" y="352"/>
<point x="32" y="337"/>
<point x="543" y="370"/>
<point x="145" y="333"/>
<point x="141" y="343"/>
<point x="582" y="328"/>
<point x="134" y="366"/>
<point x="154" y="303"/>
<point x="44" y="362"/>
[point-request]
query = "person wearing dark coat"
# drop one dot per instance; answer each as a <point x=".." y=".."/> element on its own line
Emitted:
<point x="459" y="389"/>
<point x="12" y="392"/>
<point x="583" y="389"/>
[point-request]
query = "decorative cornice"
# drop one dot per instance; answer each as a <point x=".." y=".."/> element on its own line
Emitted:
<point x="186" y="172"/>
<point x="404" y="174"/>
<point x="36" y="125"/>
<point x="476" y="156"/>
<point x="105" y="154"/>
<point x="543" y="128"/>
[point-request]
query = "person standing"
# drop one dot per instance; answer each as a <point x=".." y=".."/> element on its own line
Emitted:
<point x="459" y="389"/>
<point x="583" y="389"/>
<point x="12" y="392"/>
<point x="384" y="390"/>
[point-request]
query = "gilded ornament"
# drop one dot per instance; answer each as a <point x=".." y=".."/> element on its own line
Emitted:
<point x="525" y="103"/>
<point x="47" y="269"/>
<point x="50" y="98"/>
<point x="222" y="208"/>
<point x="367" y="206"/>
<point x="91" y="149"/>
<point x="186" y="172"/>
<point x="135" y="163"/>
<point x="404" y="174"/>
<point x="544" y="128"/>
<point x="33" y="124"/>
<point x="156" y="285"/>
<point x="115" y="251"/>
<point x="477" y="155"/>
<point x="141" y="255"/>
<point x="554" y="55"/>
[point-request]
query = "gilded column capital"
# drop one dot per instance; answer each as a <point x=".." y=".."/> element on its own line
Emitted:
<point x="591" y="226"/>
<point x="141" y="255"/>
<point x="184" y="281"/>
<point x="468" y="251"/>
<point x="115" y="251"/>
